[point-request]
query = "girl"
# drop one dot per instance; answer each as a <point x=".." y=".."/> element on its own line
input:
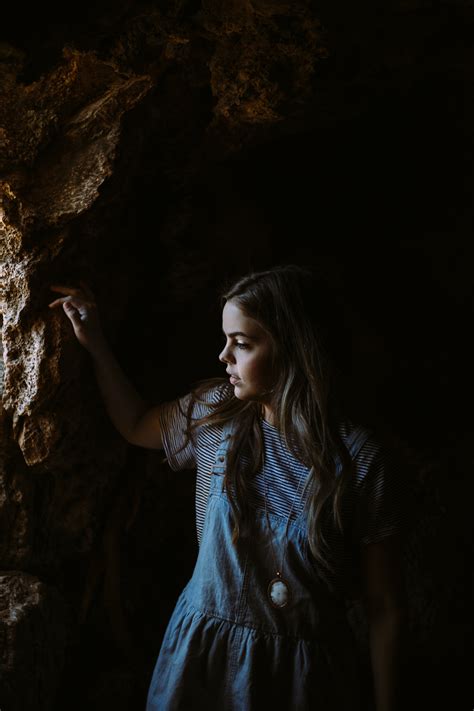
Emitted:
<point x="296" y="510"/>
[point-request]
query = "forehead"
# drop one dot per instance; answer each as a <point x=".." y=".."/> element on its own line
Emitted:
<point x="234" y="319"/>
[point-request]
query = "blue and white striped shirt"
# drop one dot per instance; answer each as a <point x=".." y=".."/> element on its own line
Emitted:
<point x="376" y="490"/>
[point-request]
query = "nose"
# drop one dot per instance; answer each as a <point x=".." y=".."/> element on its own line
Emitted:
<point x="225" y="356"/>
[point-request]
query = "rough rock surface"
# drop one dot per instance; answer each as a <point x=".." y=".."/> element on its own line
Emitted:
<point x="33" y="633"/>
<point x="76" y="111"/>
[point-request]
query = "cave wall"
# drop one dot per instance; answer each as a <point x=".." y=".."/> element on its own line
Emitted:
<point x="156" y="150"/>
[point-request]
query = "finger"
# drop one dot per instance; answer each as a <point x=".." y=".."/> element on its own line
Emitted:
<point x="76" y="302"/>
<point x="73" y="313"/>
<point x="65" y="289"/>
<point x="57" y="302"/>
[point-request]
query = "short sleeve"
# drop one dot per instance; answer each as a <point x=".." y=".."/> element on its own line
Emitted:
<point x="173" y="423"/>
<point x="180" y="451"/>
<point x="381" y="512"/>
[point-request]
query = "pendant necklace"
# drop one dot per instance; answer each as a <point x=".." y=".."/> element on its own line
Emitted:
<point x="278" y="590"/>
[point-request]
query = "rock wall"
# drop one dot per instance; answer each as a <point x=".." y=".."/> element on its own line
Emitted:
<point x="154" y="152"/>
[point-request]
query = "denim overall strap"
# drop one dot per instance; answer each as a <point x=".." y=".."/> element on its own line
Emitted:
<point x="220" y="457"/>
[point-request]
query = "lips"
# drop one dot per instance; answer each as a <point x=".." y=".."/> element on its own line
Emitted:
<point x="233" y="379"/>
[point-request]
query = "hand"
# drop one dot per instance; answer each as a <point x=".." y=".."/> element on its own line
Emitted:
<point x="80" y="307"/>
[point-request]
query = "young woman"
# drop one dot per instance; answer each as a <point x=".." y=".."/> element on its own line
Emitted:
<point x="297" y="508"/>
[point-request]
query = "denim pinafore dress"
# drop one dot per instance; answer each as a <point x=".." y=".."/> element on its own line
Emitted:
<point x="226" y="648"/>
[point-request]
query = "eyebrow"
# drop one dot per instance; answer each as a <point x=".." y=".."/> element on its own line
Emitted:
<point x="239" y="333"/>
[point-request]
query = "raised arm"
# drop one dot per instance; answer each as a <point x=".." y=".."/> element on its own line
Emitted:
<point x="137" y="421"/>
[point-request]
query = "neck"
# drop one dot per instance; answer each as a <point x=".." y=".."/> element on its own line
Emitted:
<point x="268" y="415"/>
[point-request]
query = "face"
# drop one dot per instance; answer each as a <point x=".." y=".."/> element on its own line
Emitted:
<point x="247" y="354"/>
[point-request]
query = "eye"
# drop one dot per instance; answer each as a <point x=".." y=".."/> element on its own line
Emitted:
<point x="242" y="346"/>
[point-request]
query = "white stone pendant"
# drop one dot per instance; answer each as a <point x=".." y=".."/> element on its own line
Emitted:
<point x="278" y="592"/>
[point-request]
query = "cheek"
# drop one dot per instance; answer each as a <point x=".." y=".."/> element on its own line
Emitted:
<point x="258" y="369"/>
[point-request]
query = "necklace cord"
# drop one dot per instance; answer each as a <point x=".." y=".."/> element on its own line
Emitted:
<point x="285" y="534"/>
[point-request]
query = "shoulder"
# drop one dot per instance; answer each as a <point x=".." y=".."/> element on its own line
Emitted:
<point x="373" y="457"/>
<point x="359" y="437"/>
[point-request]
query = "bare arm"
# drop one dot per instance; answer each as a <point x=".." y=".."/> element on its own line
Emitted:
<point x="385" y="604"/>
<point x="136" y="420"/>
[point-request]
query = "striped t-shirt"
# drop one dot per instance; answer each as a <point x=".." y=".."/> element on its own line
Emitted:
<point x="375" y="492"/>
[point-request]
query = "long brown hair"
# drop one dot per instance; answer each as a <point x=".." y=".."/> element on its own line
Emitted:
<point x="289" y="304"/>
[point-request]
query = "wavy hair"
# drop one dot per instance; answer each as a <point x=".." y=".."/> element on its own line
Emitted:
<point x="292" y="307"/>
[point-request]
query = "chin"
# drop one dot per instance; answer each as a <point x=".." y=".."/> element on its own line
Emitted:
<point x="242" y="394"/>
